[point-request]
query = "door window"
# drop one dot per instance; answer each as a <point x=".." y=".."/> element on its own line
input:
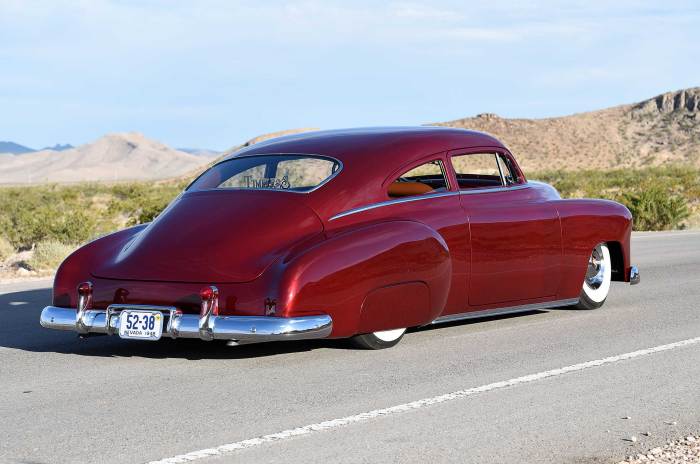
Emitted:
<point x="477" y="170"/>
<point x="483" y="170"/>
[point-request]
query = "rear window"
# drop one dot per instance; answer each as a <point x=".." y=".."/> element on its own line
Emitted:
<point x="298" y="173"/>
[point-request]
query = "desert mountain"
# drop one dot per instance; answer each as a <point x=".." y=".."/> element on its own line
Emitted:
<point x="272" y="135"/>
<point x="663" y="129"/>
<point x="254" y="140"/>
<point x="59" y="147"/>
<point x="200" y="152"/>
<point x="13" y="148"/>
<point x="114" y="157"/>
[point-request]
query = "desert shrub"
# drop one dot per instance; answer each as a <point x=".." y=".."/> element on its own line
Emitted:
<point x="656" y="209"/>
<point x="659" y="198"/>
<point x="49" y="254"/>
<point x="6" y="249"/>
<point x="140" y="202"/>
<point x="149" y="211"/>
<point x="29" y="215"/>
<point x="78" y="213"/>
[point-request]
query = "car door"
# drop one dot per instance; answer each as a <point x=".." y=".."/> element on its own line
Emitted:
<point x="515" y="234"/>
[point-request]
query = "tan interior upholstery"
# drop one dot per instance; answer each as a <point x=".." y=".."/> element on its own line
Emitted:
<point x="405" y="189"/>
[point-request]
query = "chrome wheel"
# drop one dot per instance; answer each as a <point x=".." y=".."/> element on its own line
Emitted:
<point x="595" y="275"/>
<point x="596" y="284"/>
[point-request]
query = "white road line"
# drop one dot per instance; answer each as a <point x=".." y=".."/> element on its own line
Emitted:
<point x="638" y="235"/>
<point x="367" y="416"/>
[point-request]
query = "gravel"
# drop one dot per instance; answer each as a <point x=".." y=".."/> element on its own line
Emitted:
<point x="685" y="450"/>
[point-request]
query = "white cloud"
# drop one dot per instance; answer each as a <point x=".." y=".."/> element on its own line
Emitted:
<point x="417" y="11"/>
<point x="254" y="66"/>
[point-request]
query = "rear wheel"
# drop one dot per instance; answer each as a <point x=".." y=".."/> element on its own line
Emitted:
<point x="596" y="284"/>
<point x="379" y="340"/>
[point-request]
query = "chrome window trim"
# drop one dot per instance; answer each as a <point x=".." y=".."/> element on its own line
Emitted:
<point x="495" y="189"/>
<point x="500" y="170"/>
<point x="231" y="158"/>
<point x="445" y="175"/>
<point x="392" y="202"/>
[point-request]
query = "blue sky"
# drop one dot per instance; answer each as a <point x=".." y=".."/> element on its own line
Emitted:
<point x="214" y="73"/>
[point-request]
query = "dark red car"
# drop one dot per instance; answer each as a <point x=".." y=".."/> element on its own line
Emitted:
<point x="352" y="233"/>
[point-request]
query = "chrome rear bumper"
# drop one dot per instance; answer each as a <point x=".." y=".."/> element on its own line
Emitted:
<point x="239" y="329"/>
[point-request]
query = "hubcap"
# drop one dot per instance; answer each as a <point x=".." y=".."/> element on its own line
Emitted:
<point x="595" y="275"/>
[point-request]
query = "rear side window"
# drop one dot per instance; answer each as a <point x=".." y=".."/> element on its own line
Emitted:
<point x="426" y="178"/>
<point x="299" y="173"/>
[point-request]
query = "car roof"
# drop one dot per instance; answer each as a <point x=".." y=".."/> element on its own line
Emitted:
<point x="369" y="156"/>
<point x="393" y="146"/>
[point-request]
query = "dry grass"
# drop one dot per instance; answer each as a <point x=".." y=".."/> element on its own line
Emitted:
<point x="48" y="255"/>
<point x="6" y="249"/>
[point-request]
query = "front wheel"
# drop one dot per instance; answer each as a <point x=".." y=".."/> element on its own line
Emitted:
<point x="379" y="340"/>
<point x="596" y="284"/>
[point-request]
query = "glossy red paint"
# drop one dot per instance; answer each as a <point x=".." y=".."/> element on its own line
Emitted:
<point x="348" y="250"/>
<point x="214" y="236"/>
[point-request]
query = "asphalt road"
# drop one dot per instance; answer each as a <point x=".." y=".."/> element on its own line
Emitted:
<point x="106" y="400"/>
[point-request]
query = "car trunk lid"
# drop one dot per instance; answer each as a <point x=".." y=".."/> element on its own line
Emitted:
<point x="215" y="236"/>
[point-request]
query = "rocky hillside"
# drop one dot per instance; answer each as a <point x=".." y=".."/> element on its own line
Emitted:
<point x="664" y="129"/>
<point x="114" y="157"/>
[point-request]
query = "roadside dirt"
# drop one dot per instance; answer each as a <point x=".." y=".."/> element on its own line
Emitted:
<point x="684" y="450"/>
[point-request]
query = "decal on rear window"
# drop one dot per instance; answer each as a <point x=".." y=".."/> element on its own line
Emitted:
<point x="299" y="173"/>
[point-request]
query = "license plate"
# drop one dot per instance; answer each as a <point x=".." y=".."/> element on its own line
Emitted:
<point x="140" y="325"/>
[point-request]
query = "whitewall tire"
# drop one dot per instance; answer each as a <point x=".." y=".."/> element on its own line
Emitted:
<point x="379" y="340"/>
<point x="596" y="283"/>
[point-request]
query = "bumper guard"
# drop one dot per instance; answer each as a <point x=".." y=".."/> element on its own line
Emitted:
<point x="634" y="275"/>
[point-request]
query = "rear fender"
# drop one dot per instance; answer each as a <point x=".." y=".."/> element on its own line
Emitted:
<point x="77" y="266"/>
<point x="378" y="277"/>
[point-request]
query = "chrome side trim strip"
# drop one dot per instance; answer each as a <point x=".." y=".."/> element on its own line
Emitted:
<point x="392" y="202"/>
<point x="503" y="311"/>
<point x="427" y="197"/>
<point x="494" y="189"/>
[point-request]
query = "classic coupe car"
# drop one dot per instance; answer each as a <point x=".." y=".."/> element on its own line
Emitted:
<point x="357" y="233"/>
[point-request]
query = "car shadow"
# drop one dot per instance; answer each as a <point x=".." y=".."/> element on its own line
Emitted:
<point x="20" y="329"/>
